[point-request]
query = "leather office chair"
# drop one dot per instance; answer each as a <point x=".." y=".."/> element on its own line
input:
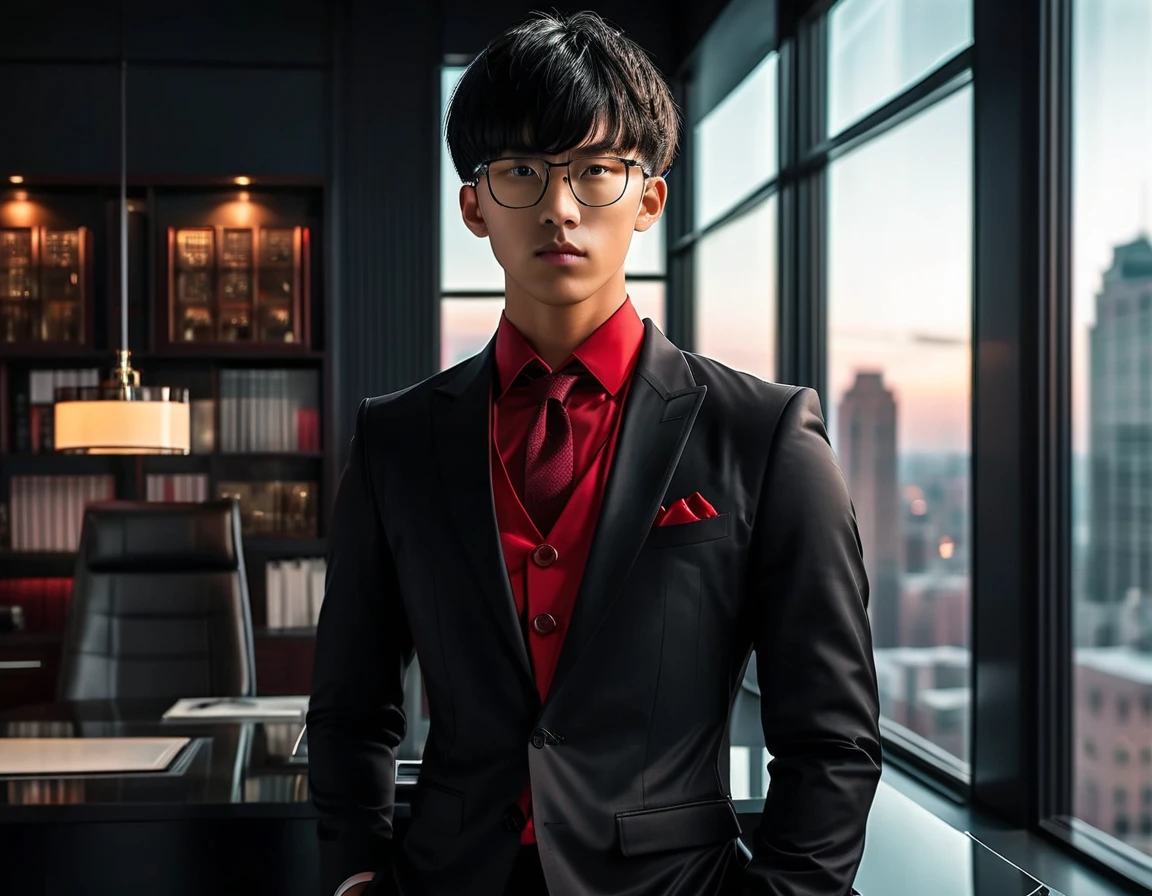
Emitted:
<point x="159" y="604"/>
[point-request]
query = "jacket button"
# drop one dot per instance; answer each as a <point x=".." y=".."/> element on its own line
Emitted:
<point x="541" y="737"/>
<point x="514" y="819"/>
<point x="544" y="624"/>
<point x="545" y="555"/>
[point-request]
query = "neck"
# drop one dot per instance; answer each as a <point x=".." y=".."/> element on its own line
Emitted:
<point x="556" y="331"/>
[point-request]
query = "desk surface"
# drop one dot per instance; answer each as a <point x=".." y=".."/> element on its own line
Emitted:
<point x="244" y="769"/>
<point x="244" y="766"/>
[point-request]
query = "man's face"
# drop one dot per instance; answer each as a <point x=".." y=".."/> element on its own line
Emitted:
<point x="521" y="237"/>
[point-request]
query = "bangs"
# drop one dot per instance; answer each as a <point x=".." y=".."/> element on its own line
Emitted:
<point x="552" y="85"/>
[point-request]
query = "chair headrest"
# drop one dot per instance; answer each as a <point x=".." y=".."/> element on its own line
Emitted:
<point x="140" y="536"/>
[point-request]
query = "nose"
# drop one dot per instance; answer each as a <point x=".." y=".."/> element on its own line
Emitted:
<point x="559" y="205"/>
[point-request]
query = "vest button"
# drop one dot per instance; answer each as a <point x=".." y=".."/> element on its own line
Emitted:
<point x="514" y="819"/>
<point x="545" y="555"/>
<point x="544" y="624"/>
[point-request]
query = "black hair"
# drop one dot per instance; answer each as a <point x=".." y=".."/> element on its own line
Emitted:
<point x="552" y="82"/>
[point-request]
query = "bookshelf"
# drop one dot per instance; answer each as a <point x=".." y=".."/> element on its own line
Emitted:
<point x="225" y="299"/>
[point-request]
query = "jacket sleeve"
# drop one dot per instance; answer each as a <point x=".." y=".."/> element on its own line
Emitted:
<point x="815" y="666"/>
<point x="356" y="713"/>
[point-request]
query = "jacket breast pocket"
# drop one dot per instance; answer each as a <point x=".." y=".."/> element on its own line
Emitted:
<point x="711" y="529"/>
<point x="687" y="825"/>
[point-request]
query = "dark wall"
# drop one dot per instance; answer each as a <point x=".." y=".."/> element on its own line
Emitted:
<point x="214" y="89"/>
<point x="468" y="26"/>
<point x="341" y="94"/>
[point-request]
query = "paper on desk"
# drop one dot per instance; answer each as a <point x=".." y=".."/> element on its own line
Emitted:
<point x="87" y="755"/>
<point x="216" y="708"/>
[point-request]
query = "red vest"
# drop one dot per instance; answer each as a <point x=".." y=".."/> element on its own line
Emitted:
<point x="547" y="572"/>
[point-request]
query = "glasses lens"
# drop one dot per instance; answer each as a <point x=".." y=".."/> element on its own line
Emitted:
<point x="517" y="183"/>
<point x="599" y="181"/>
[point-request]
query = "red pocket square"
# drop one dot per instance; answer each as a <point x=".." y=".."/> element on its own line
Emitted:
<point x="687" y="510"/>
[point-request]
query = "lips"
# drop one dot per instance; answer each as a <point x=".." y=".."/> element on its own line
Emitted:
<point x="559" y="258"/>
<point x="561" y="249"/>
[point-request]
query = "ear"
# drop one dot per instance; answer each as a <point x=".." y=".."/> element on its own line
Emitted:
<point x="471" y="212"/>
<point x="652" y="203"/>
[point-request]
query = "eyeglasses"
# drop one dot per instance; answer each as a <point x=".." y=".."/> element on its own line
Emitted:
<point x="521" y="182"/>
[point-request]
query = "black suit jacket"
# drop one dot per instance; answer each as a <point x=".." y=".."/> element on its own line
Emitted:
<point x="624" y="755"/>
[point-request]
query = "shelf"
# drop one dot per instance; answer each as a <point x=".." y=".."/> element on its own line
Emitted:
<point x="287" y="467"/>
<point x="36" y="639"/>
<point x="284" y="633"/>
<point x="267" y="455"/>
<point x="30" y="639"/>
<point x="37" y="564"/>
<point x="53" y="352"/>
<point x="285" y="547"/>
<point x="72" y="464"/>
<point x="196" y="463"/>
<point x="225" y="353"/>
<point x="177" y="353"/>
<point x="61" y="564"/>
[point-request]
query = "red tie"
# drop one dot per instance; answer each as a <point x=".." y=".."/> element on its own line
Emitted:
<point x="548" y="470"/>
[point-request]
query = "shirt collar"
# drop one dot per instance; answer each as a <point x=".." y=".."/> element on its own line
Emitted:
<point x="609" y="353"/>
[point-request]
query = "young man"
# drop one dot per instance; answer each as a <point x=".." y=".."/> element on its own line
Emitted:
<point x="583" y="532"/>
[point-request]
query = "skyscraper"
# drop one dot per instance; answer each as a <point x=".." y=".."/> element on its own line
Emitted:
<point x="1120" y="449"/>
<point x="867" y="435"/>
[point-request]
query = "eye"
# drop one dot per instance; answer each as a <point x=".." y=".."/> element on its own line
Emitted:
<point x="522" y="171"/>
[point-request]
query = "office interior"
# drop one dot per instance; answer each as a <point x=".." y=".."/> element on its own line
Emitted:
<point x="936" y="213"/>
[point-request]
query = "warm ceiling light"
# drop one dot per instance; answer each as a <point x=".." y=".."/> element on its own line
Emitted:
<point x="17" y="178"/>
<point x="121" y="416"/>
<point x="243" y="181"/>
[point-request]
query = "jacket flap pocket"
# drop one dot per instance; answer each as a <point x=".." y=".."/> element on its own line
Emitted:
<point x="439" y="808"/>
<point x="709" y="529"/>
<point x="677" y="827"/>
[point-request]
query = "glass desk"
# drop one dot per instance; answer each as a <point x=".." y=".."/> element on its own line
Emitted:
<point x="250" y="778"/>
<point x="246" y="765"/>
<point x="910" y="850"/>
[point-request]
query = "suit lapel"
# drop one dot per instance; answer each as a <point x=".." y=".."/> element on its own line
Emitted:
<point x="463" y="440"/>
<point x="658" y="414"/>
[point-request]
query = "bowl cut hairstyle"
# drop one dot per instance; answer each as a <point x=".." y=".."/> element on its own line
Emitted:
<point x="551" y="83"/>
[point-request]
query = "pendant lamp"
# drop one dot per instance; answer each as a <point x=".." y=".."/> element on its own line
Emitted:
<point x="121" y="416"/>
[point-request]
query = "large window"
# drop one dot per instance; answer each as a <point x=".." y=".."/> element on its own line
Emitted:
<point x="735" y="144"/>
<point x="472" y="282"/>
<point x="877" y="48"/>
<point x="733" y="291"/>
<point x="899" y="405"/>
<point x="1112" y="418"/>
<point x="734" y="294"/>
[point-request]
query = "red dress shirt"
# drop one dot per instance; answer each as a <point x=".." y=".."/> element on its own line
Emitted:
<point x="546" y="569"/>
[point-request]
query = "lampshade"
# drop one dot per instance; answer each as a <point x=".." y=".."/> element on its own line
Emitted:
<point x="121" y="416"/>
<point x="117" y="419"/>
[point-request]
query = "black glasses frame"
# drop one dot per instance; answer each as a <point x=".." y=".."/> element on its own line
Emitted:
<point x="482" y="170"/>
